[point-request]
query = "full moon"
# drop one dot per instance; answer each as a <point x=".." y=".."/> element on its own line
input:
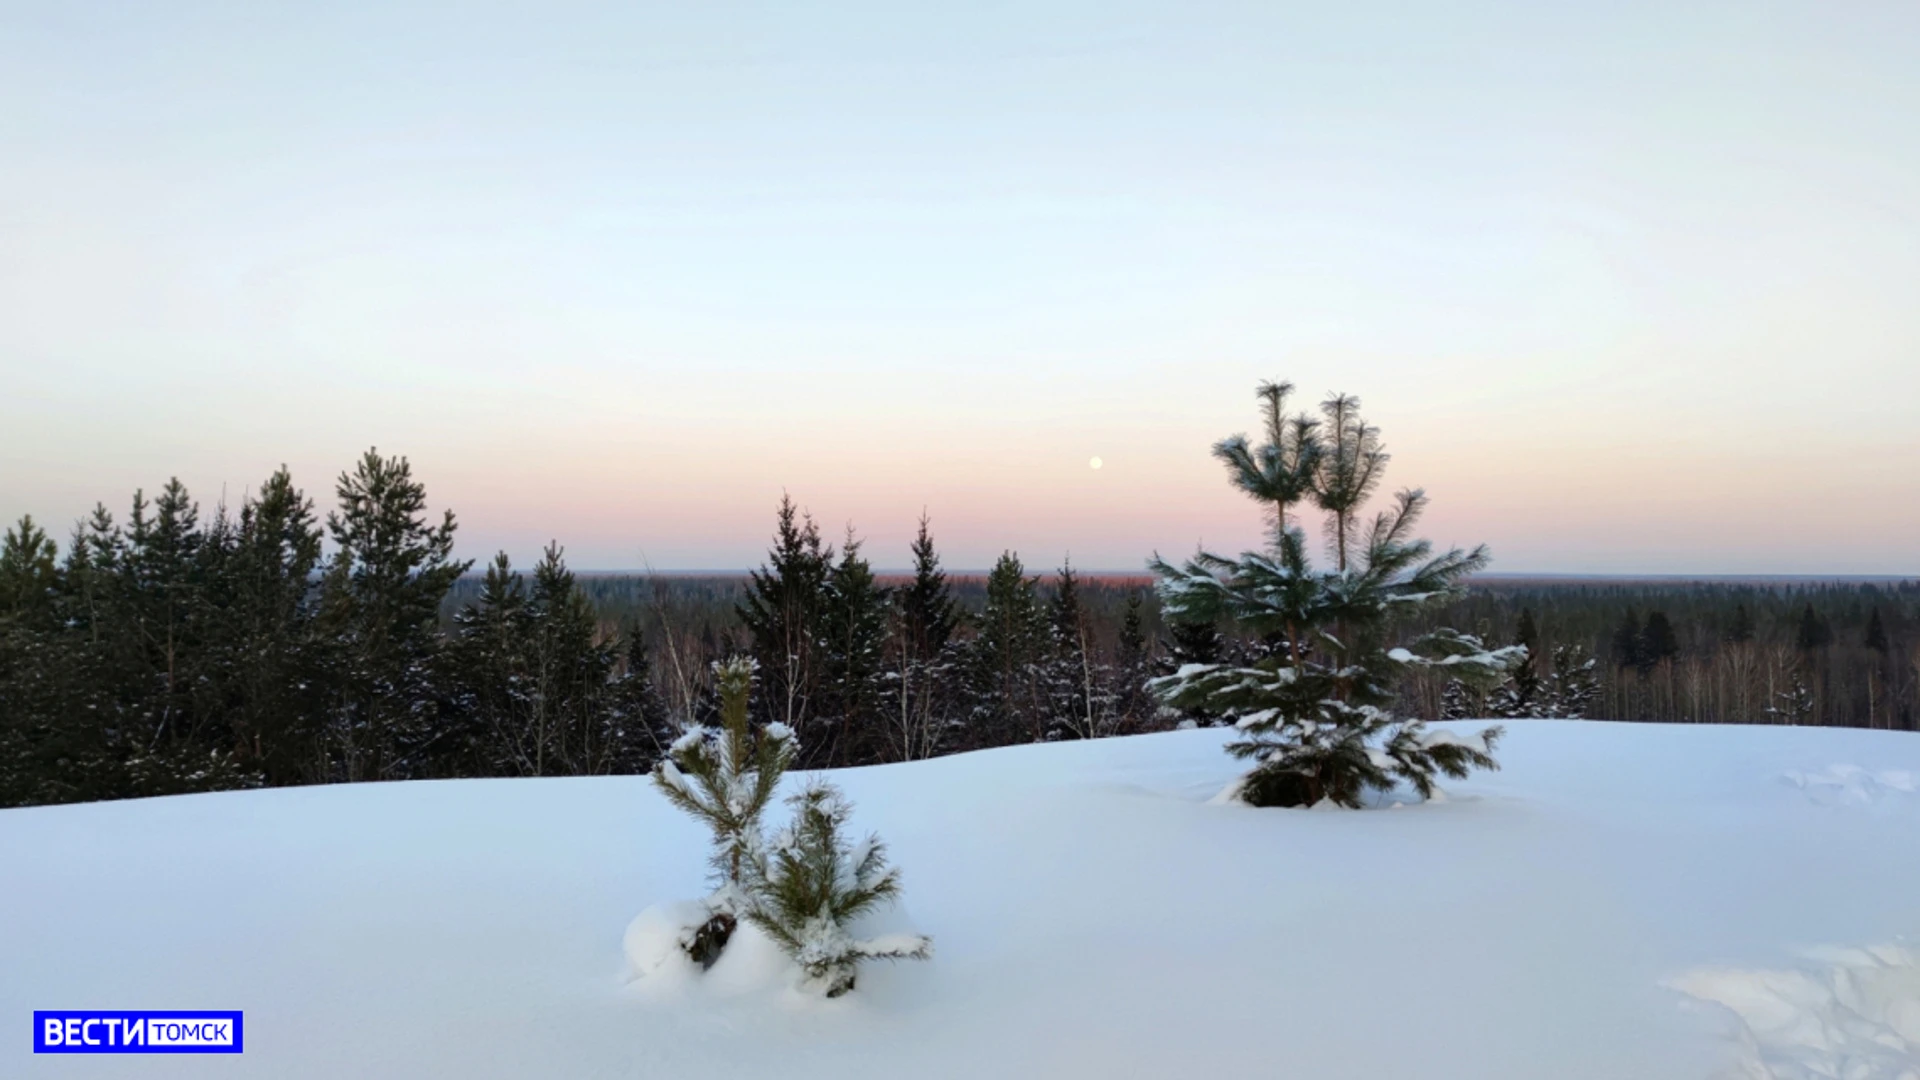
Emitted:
<point x="1094" y="464"/>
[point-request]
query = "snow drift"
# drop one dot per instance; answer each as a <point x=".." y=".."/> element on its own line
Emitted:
<point x="1620" y="901"/>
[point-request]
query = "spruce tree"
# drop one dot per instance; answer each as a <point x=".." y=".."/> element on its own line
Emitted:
<point x="489" y="652"/>
<point x="568" y="666"/>
<point x="1572" y="686"/>
<point x="1813" y="633"/>
<point x="783" y="613"/>
<point x="1658" y="643"/>
<point x="271" y="602"/>
<point x="1190" y="643"/>
<point x="1135" y="665"/>
<point x="29" y="571"/>
<point x="1740" y="629"/>
<point x="923" y="642"/>
<point x="1078" y="703"/>
<point x="639" y="722"/>
<point x="928" y="611"/>
<point x="1628" y="651"/>
<point x="1520" y="696"/>
<point x="1006" y="659"/>
<point x="1315" y="712"/>
<point x="853" y="660"/>
<point x="1875" y="638"/>
<point x="1795" y="704"/>
<point x="810" y="883"/>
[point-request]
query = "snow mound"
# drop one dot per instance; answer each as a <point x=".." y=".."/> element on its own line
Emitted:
<point x="656" y="946"/>
<point x="1848" y="1014"/>
<point x="1854" y="785"/>
<point x="657" y="938"/>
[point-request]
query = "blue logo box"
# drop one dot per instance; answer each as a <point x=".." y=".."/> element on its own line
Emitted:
<point x="168" y="1031"/>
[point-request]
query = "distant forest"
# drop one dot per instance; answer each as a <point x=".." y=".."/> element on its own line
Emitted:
<point x="1737" y="651"/>
<point x="175" y="650"/>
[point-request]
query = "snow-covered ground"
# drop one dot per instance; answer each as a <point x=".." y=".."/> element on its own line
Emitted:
<point x="1621" y="901"/>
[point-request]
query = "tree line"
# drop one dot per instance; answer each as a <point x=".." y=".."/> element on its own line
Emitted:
<point x="174" y="650"/>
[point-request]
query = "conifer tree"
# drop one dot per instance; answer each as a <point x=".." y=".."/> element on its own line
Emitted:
<point x="1795" y="704"/>
<point x="1520" y="695"/>
<point x="928" y="610"/>
<point x="271" y="603"/>
<point x="1190" y="643"/>
<point x="640" y="725"/>
<point x="1078" y="702"/>
<point x="1006" y="657"/>
<point x="725" y="778"/>
<point x="926" y="617"/>
<point x="568" y="668"/>
<point x="28" y="568"/>
<point x="489" y="653"/>
<point x="853" y="628"/>
<point x="1628" y="650"/>
<point x="1813" y="633"/>
<point x="1875" y="638"/>
<point x="810" y="883"/>
<point x="1572" y="686"/>
<point x="1740" y="629"/>
<point x="1658" y="643"/>
<point x="1315" y="711"/>
<point x="380" y="607"/>
<point x="1134" y="704"/>
<point x="783" y="613"/>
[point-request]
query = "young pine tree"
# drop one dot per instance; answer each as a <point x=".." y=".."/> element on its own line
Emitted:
<point x="725" y="778"/>
<point x="810" y="883"/>
<point x="1315" y="711"/>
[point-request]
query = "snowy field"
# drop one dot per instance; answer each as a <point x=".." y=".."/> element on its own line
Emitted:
<point x="1621" y="901"/>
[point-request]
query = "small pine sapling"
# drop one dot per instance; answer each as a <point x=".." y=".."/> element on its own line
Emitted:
<point x="810" y="883"/>
<point x="725" y="778"/>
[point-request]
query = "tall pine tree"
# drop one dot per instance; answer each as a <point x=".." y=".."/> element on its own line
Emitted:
<point x="380" y="610"/>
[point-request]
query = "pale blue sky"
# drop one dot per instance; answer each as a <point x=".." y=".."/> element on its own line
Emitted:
<point x="1630" y="287"/>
